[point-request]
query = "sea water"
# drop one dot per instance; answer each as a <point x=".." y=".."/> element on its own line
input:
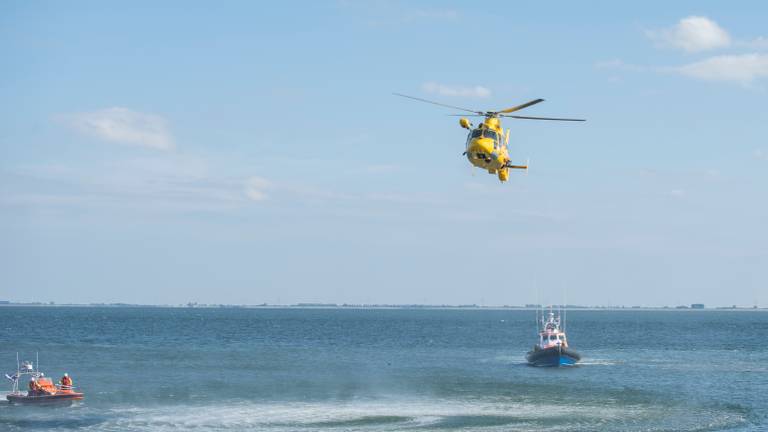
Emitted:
<point x="171" y="369"/>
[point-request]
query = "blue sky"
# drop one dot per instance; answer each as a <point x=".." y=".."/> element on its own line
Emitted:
<point x="251" y="152"/>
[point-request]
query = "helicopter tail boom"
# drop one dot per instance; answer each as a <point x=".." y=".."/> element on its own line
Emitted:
<point x="522" y="167"/>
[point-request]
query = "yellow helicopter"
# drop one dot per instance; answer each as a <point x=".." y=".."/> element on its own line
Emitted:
<point x="486" y="146"/>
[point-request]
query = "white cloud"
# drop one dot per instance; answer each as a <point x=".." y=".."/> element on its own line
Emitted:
<point x="692" y="34"/>
<point x="758" y="43"/>
<point x="760" y="154"/>
<point x="444" y="90"/>
<point x="677" y="193"/>
<point x="429" y="14"/>
<point x="387" y="13"/>
<point x="123" y="125"/>
<point x="743" y="68"/>
<point x="256" y="188"/>
<point x="167" y="181"/>
<point x="382" y="168"/>
<point x="740" y="68"/>
<point x="619" y="64"/>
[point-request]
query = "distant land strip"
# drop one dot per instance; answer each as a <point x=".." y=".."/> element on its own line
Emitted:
<point x="693" y="307"/>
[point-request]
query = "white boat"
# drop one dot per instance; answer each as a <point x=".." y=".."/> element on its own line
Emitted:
<point x="552" y="348"/>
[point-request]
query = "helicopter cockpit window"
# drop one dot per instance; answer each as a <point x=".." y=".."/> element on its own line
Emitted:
<point x="491" y="134"/>
<point x="477" y="133"/>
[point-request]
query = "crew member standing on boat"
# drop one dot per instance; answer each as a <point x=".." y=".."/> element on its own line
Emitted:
<point x="66" y="382"/>
<point x="34" y="387"/>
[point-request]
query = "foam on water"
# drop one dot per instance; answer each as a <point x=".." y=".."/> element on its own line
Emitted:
<point x="599" y="362"/>
<point x="381" y="415"/>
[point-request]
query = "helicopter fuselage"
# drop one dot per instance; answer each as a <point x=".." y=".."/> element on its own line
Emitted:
<point x="486" y="147"/>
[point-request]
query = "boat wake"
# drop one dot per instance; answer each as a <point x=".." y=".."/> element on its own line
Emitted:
<point x="384" y="415"/>
<point x="600" y="362"/>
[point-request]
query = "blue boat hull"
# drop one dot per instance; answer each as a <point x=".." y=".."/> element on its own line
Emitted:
<point x="552" y="357"/>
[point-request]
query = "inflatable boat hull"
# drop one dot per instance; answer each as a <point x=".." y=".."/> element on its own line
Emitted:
<point x="57" y="399"/>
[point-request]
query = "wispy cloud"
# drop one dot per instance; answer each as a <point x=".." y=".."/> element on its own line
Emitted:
<point x="743" y="68"/>
<point x="692" y="34"/>
<point x="429" y="14"/>
<point x="168" y="181"/>
<point x="677" y="193"/>
<point x="381" y="168"/>
<point x="759" y="43"/>
<point x="386" y="13"/>
<point x="739" y="68"/>
<point x="256" y="188"/>
<point x="447" y="90"/>
<point x="621" y="65"/>
<point x="122" y="125"/>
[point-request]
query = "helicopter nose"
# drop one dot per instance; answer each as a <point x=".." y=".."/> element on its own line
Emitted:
<point x="481" y="146"/>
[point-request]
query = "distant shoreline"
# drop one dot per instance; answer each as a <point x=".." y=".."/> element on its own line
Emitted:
<point x="310" y="306"/>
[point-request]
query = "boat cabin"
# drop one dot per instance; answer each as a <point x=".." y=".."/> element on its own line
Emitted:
<point x="549" y="339"/>
<point x="551" y="334"/>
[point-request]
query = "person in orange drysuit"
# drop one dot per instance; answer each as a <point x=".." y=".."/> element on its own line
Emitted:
<point x="66" y="382"/>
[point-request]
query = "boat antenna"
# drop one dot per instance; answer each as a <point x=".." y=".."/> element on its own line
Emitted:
<point x="565" y="307"/>
<point x="18" y="365"/>
<point x="537" y="305"/>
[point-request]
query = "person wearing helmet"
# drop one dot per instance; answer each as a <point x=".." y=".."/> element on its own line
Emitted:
<point x="66" y="382"/>
<point x="34" y="386"/>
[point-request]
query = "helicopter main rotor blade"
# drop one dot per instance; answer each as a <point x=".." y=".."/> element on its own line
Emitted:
<point x="437" y="103"/>
<point x="519" y="107"/>
<point x="542" y="118"/>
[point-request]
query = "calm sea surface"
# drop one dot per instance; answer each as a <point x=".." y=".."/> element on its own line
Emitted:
<point x="154" y="369"/>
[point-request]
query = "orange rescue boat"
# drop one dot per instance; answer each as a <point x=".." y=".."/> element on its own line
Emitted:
<point x="42" y="390"/>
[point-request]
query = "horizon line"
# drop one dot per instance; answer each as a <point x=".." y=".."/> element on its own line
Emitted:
<point x="323" y="305"/>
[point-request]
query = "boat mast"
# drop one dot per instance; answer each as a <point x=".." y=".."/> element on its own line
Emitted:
<point x="18" y="375"/>
<point x="565" y="306"/>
